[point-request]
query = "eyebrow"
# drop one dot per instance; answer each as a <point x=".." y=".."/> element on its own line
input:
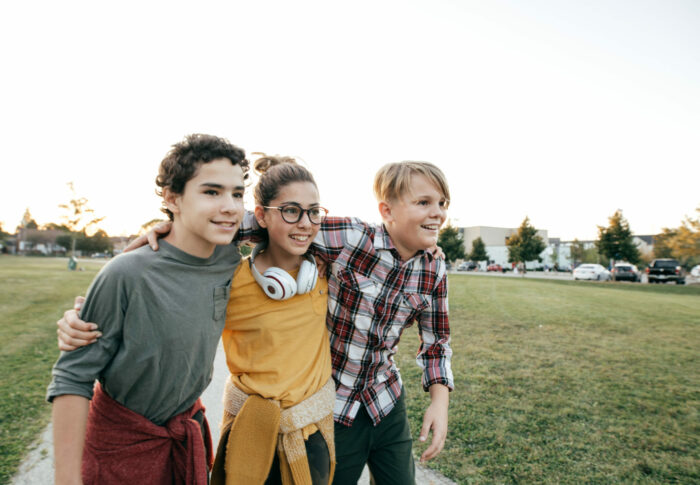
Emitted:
<point x="219" y="186"/>
<point x="293" y="202"/>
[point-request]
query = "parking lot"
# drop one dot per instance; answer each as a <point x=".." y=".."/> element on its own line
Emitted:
<point x="554" y="275"/>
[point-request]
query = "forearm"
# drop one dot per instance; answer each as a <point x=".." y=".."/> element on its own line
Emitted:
<point x="440" y="395"/>
<point x="70" y="414"/>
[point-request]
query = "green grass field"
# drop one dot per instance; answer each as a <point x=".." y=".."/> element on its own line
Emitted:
<point x="568" y="382"/>
<point x="556" y="381"/>
<point x="33" y="294"/>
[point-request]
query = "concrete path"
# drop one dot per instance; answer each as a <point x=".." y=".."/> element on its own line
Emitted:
<point x="37" y="467"/>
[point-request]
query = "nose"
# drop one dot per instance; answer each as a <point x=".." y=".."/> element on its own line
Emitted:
<point x="305" y="220"/>
<point x="231" y="204"/>
<point x="437" y="210"/>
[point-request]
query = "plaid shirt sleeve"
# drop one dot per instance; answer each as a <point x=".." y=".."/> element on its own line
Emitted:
<point x="435" y="354"/>
<point x="334" y="234"/>
<point x="249" y="230"/>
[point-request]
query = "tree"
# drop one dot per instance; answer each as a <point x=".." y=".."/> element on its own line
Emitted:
<point x="65" y="240"/>
<point x="478" y="251"/>
<point x="686" y="244"/>
<point x="577" y="252"/>
<point x="79" y="216"/>
<point x="615" y="241"/>
<point x="681" y="243"/>
<point x="555" y="257"/>
<point x="97" y="243"/>
<point x="28" y="221"/>
<point x="525" y="245"/>
<point x="147" y="226"/>
<point x="53" y="226"/>
<point x="662" y="243"/>
<point x="450" y="242"/>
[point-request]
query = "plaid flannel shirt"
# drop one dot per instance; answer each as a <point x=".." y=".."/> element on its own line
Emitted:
<point x="373" y="297"/>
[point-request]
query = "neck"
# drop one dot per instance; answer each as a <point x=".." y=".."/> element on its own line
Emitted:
<point x="189" y="244"/>
<point x="269" y="257"/>
<point x="403" y="251"/>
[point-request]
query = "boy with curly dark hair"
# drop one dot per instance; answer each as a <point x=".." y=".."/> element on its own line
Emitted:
<point x="161" y="316"/>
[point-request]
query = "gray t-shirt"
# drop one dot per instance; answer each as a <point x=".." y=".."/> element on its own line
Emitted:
<point x="161" y="314"/>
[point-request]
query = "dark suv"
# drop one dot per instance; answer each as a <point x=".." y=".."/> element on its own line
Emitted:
<point x="663" y="270"/>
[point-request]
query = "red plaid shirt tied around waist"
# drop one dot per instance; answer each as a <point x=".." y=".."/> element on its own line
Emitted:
<point x="373" y="297"/>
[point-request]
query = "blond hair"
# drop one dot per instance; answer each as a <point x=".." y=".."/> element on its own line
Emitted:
<point x="393" y="180"/>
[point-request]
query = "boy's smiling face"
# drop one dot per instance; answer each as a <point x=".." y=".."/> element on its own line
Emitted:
<point x="210" y="209"/>
<point x="414" y="219"/>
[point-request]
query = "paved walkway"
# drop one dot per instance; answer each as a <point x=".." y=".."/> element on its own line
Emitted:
<point x="37" y="467"/>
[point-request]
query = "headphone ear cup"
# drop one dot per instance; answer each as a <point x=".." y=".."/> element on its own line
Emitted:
<point x="277" y="284"/>
<point x="307" y="276"/>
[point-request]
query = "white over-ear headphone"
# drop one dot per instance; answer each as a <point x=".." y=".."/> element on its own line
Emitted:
<point x="278" y="284"/>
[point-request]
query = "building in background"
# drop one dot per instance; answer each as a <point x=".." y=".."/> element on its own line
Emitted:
<point x="495" y="241"/>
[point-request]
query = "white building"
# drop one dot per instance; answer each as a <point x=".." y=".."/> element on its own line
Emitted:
<point x="556" y="251"/>
<point x="495" y="241"/>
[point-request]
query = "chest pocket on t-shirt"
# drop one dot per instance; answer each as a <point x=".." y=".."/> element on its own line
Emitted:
<point x="221" y="294"/>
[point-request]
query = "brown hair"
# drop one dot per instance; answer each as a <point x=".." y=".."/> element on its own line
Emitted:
<point x="276" y="171"/>
<point x="184" y="159"/>
<point x="393" y="180"/>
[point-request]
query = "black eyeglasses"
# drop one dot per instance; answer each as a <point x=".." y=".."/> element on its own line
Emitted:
<point x="293" y="213"/>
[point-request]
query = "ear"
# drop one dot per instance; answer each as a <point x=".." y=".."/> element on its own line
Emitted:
<point x="171" y="200"/>
<point x="385" y="211"/>
<point x="260" y="215"/>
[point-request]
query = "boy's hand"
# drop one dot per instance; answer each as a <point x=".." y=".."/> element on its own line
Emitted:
<point x="151" y="237"/>
<point x="437" y="253"/>
<point x="73" y="332"/>
<point x="435" y="419"/>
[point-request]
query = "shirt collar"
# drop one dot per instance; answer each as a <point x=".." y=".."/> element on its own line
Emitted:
<point x="382" y="241"/>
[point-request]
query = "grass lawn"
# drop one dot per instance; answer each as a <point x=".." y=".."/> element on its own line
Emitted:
<point x="568" y="382"/>
<point x="33" y="294"/>
<point x="556" y="381"/>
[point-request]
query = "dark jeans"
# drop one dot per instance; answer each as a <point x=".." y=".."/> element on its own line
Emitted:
<point x="319" y="462"/>
<point x="386" y="448"/>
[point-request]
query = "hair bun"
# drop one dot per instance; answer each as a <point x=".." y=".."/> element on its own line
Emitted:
<point x="266" y="162"/>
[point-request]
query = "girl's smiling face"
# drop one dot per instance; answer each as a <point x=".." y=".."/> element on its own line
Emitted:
<point x="288" y="242"/>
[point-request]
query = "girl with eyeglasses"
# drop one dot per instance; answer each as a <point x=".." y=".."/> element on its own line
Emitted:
<point x="278" y="418"/>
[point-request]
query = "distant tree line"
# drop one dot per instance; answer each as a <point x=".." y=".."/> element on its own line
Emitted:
<point x="615" y="243"/>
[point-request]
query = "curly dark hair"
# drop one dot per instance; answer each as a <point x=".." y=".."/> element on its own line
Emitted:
<point x="184" y="158"/>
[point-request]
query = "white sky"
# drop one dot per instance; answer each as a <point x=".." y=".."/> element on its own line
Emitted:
<point x="563" y="111"/>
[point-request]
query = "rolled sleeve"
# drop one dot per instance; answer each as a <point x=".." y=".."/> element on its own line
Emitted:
<point x="435" y="354"/>
<point x="75" y="372"/>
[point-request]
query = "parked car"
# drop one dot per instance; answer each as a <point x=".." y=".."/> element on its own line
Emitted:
<point x="695" y="272"/>
<point x="494" y="267"/>
<point x="625" y="272"/>
<point x="591" y="272"/>
<point x="663" y="270"/>
<point x="466" y="266"/>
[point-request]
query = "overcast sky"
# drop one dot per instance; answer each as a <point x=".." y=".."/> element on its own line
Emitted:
<point x="563" y="111"/>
